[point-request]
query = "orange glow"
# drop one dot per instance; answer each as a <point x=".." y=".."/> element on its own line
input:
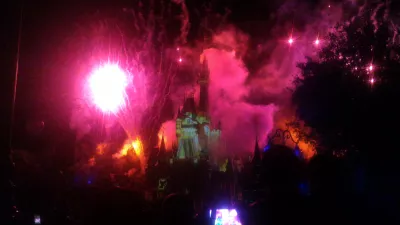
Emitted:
<point x="100" y="149"/>
<point x="160" y="136"/>
<point x="307" y="149"/>
<point x="92" y="161"/>
<point x="135" y="146"/>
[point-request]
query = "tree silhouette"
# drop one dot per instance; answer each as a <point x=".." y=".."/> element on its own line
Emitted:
<point x="348" y="96"/>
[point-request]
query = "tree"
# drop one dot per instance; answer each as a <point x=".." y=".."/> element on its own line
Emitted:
<point x="348" y="95"/>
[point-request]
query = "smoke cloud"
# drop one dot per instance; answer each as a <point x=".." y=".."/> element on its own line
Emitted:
<point x="241" y="121"/>
<point x="251" y="101"/>
<point x="79" y="121"/>
<point x="168" y="130"/>
<point x="250" y="104"/>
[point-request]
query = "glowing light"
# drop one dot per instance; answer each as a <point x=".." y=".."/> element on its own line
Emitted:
<point x="371" y="68"/>
<point x="92" y="161"/>
<point x="135" y="146"/>
<point x="178" y="49"/>
<point x="37" y="219"/>
<point x="226" y="216"/>
<point x="107" y="85"/>
<point x="100" y="149"/>
<point x="317" y="42"/>
<point x="290" y="41"/>
<point x="372" y="81"/>
<point x="180" y="60"/>
<point x="160" y="136"/>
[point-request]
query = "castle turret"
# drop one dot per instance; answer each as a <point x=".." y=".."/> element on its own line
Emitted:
<point x="257" y="154"/>
<point x="162" y="152"/>
<point x="189" y="106"/>
<point x="256" y="161"/>
<point x="203" y="82"/>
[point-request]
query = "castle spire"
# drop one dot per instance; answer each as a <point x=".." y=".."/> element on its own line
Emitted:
<point x="257" y="153"/>
<point x="203" y="82"/>
<point x="162" y="145"/>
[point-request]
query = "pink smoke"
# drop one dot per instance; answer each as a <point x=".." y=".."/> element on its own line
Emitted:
<point x="79" y="121"/>
<point x="241" y="122"/>
<point x="279" y="70"/>
<point x="250" y="105"/>
<point x="168" y="130"/>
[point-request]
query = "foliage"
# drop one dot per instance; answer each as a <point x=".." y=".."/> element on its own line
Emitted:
<point x="336" y="97"/>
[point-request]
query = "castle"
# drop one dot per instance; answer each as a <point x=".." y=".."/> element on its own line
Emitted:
<point x="195" y="133"/>
<point x="193" y="166"/>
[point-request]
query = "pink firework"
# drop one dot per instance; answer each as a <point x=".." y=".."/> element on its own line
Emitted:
<point x="107" y="86"/>
<point x="290" y="41"/>
<point x="372" y="81"/>
<point x="371" y="68"/>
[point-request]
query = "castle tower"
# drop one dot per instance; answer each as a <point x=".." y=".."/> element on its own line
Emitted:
<point x="257" y="154"/>
<point x="162" y="152"/>
<point x="186" y="130"/>
<point x="203" y="82"/>
<point x="193" y="129"/>
<point x="257" y="163"/>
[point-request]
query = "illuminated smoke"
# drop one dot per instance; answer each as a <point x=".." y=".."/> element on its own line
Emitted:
<point x="240" y="97"/>
<point x="246" y="103"/>
<point x="241" y="121"/>
<point x="79" y="121"/>
<point x="168" y="131"/>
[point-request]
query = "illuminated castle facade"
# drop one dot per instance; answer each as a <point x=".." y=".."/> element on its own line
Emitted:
<point x="196" y="136"/>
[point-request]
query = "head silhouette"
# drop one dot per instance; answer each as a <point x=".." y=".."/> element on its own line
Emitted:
<point x="177" y="209"/>
<point x="282" y="170"/>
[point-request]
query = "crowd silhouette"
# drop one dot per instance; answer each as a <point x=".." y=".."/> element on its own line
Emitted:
<point x="324" y="190"/>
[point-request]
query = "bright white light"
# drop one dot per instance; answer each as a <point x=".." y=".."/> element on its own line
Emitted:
<point x="107" y="85"/>
<point x="233" y="213"/>
<point x="372" y="81"/>
<point x="180" y="60"/>
<point x="36" y="219"/>
<point x="371" y="67"/>
<point x="316" y="42"/>
<point x="290" y="41"/>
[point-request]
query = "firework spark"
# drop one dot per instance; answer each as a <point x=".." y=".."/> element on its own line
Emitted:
<point x="317" y="42"/>
<point x="372" y="81"/>
<point x="290" y="41"/>
<point x="107" y="85"/>
<point x="370" y="68"/>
